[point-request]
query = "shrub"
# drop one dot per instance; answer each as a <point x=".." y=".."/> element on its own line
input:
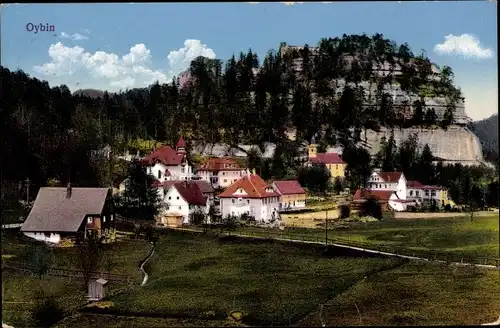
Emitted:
<point x="47" y="313"/>
<point x="447" y="208"/>
<point x="344" y="211"/>
<point x="371" y="207"/>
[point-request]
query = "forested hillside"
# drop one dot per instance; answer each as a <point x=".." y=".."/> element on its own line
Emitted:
<point x="49" y="132"/>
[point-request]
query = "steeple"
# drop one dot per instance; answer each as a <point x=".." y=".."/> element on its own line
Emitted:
<point x="181" y="145"/>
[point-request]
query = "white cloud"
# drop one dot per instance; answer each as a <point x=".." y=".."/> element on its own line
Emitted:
<point x="110" y="71"/>
<point x="290" y="3"/>
<point x="74" y="37"/>
<point x="466" y="45"/>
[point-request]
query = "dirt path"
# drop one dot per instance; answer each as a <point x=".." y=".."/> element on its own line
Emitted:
<point x="146" y="276"/>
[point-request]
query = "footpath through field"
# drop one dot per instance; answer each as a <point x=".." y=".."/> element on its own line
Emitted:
<point x="488" y="263"/>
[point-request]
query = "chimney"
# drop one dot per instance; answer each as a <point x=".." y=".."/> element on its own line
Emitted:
<point x="253" y="171"/>
<point x="68" y="191"/>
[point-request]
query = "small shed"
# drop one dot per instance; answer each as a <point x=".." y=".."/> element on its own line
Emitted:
<point x="98" y="289"/>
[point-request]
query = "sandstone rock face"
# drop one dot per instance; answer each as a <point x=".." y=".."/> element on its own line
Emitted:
<point x="456" y="145"/>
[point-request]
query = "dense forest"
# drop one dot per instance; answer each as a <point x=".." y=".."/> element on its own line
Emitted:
<point x="49" y="133"/>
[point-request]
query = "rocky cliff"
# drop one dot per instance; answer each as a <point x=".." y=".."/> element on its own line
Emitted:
<point x="456" y="145"/>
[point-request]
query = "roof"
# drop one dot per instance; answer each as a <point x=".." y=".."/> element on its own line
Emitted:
<point x="157" y="184"/>
<point x="101" y="281"/>
<point x="202" y="184"/>
<point x="414" y="184"/>
<point x="181" y="143"/>
<point x="419" y="185"/>
<point x="383" y="195"/>
<point x="431" y="188"/>
<point x="327" y="158"/>
<point x="290" y="187"/>
<point x="165" y="155"/>
<point x="253" y="185"/>
<point x="191" y="193"/>
<point x="220" y="164"/>
<point x="53" y="212"/>
<point x="389" y="176"/>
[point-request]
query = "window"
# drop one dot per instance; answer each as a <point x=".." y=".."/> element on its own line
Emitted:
<point x="169" y="197"/>
<point x="433" y="193"/>
<point x="223" y="173"/>
<point x="177" y="197"/>
<point x="411" y="192"/>
<point x="89" y="220"/>
<point x="182" y="169"/>
<point x="417" y="193"/>
<point x="225" y="180"/>
<point x="233" y="200"/>
<point x="427" y="192"/>
<point x="159" y="174"/>
<point x="336" y="166"/>
<point x="104" y="218"/>
<point x="179" y="208"/>
<point x="248" y="201"/>
<point x="112" y="217"/>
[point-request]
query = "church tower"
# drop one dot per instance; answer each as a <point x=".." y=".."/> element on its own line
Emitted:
<point x="312" y="148"/>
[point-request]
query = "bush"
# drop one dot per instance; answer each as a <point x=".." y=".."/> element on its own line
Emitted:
<point x="344" y="211"/>
<point x="47" y="313"/>
<point x="371" y="207"/>
<point x="447" y="208"/>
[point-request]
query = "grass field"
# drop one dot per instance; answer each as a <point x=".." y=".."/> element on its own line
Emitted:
<point x="21" y="292"/>
<point x="197" y="280"/>
<point x="273" y="284"/>
<point x="111" y="321"/>
<point x="457" y="235"/>
<point x="416" y="294"/>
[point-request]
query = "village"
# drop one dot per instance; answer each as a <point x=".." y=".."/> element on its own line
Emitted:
<point x="186" y="192"/>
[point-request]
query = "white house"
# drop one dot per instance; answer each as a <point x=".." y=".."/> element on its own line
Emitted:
<point x="421" y="193"/>
<point x="183" y="198"/>
<point x="220" y="172"/>
<point x="390" y="181"/>
<point x="251" y="195"/>
<point x="166" y="163"/>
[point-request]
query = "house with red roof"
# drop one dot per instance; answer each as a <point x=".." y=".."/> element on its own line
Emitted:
<point x="181" y="199"/>
<point x="387" y="198"/>
<point x="292" y="195"/>
<point x="253" y="196"/>
<point x="393" y="181"/>
<point x="167" y="163"/>
<point x="332" y="161"/>
<point x="220" y="171"/>
<point x="387" y="187"/>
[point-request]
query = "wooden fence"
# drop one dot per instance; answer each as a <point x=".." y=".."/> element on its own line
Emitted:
<point x="70" y="273"/>
<point x="397" y="250"/>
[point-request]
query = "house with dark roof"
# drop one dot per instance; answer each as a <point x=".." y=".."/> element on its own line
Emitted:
<point x="292" y="195"/>
<point x="71" y="213"/>
<point x="167" y="163"/>
<point x="220" y="171"/>
<point x="252" y="196"/>
<point x="332" y="161"/>
<point x="181" y="199"/>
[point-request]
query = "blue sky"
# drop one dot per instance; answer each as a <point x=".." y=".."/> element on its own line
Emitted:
<point x="115" y="46"/>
